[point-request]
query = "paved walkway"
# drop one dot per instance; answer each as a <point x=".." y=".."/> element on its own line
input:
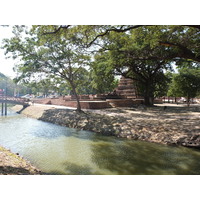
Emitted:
<point x="54" y="106"/>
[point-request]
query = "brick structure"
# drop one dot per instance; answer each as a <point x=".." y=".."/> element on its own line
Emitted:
<point x="126" y="88"/>
<point x="120" y="102"/>
<point x="71" y="103"/>
<point x="125" y="95"/>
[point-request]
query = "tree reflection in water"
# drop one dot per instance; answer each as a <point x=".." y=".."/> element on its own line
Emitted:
<point x="146" y="158"/>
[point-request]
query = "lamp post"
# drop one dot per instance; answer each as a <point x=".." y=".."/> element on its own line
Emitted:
<point x="2" y="108"/>
<point x="6" y="98"/>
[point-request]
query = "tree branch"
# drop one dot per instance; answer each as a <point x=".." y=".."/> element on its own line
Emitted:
<point x="120" y="30"/>
<point x="194" y="26"/>
<point x="58" y="29"/>
<point x="186" y="53"/>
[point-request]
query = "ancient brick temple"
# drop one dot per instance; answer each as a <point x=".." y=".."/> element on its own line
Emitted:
<point x="125" y="95"/>
<point x="126" y="88"/>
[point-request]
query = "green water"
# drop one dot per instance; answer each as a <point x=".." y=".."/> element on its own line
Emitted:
<point x="60" y="150"/>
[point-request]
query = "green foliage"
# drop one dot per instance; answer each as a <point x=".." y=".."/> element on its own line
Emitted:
<point x="58" y="56"/>
<point x="185" y="84"/>
<point x="44" y="87"/>
<point x="103" y="79"/>
<point x="12" y="87"/>
<point x="58" y="59"/>
<point x="53" y="58"/>
<point x="82" y="81"/>
<point x="173" y="42"/>
<point x="129" y="55"/>
<point x="7" y="83"/>
<point x="142" y="53"/>
<point x="162" y="84"/>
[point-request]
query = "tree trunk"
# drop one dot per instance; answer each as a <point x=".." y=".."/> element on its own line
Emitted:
<point x="148" y="101"/>
<point x="76" y="96"/>
<point x="148" y="96"/>
<point x="188" y="100"/>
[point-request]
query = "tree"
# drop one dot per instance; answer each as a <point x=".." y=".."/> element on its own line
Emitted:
<point x="103" y="78"/>
<point x="125" y="56"/>
<point x="7" y="84"/>
<point x="185" y="84"/>
<point x="44" y="86"/>
<point x="56" y="58"/>
<point x="145" y="52"/>
<point x="139" y="52"/>
<point x="178" y="41"/>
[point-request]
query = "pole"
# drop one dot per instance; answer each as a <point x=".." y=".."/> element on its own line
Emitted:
<point x="2" y="109"/>
<point x="6" y="108"/>
<point x="6" y="99"/>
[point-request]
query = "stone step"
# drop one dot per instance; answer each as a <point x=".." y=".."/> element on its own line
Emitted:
<point x="127" y="91"/>
<point x="131" y="96"/>
<point x="122" y="87"/>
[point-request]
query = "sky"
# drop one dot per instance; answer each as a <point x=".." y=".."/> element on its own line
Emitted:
<point x="6" y="65"/>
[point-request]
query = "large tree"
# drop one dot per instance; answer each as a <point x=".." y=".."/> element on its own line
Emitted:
<point x="55" y="58"/>
<point x="135" y="50"/>
<point x="129" y="55"/>
<point x="178" y="41"/>
<point x="144" y="53"/>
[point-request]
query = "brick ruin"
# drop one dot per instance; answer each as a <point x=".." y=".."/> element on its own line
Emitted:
<point x="126" y="88"/>
<point x="125" y="95"/>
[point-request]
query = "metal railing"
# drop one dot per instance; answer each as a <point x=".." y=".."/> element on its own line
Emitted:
<point x="12" y="100"/>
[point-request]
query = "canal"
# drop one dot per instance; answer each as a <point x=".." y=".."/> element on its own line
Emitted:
<point x="59" y="150"/>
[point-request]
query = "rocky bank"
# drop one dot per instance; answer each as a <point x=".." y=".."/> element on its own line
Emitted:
<point x="172" y="124"/>
<point x="13" y="164"/>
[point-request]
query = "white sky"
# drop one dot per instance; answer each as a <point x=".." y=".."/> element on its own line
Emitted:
<point x="6" y="65"/>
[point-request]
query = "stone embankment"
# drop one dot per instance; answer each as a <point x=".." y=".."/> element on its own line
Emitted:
<point x="173" y="125"/>
<point x="13" y="164"/>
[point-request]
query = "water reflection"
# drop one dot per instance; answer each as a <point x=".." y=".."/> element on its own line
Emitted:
<point x="145" y="158"/>
<point x="60" y="150"/>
